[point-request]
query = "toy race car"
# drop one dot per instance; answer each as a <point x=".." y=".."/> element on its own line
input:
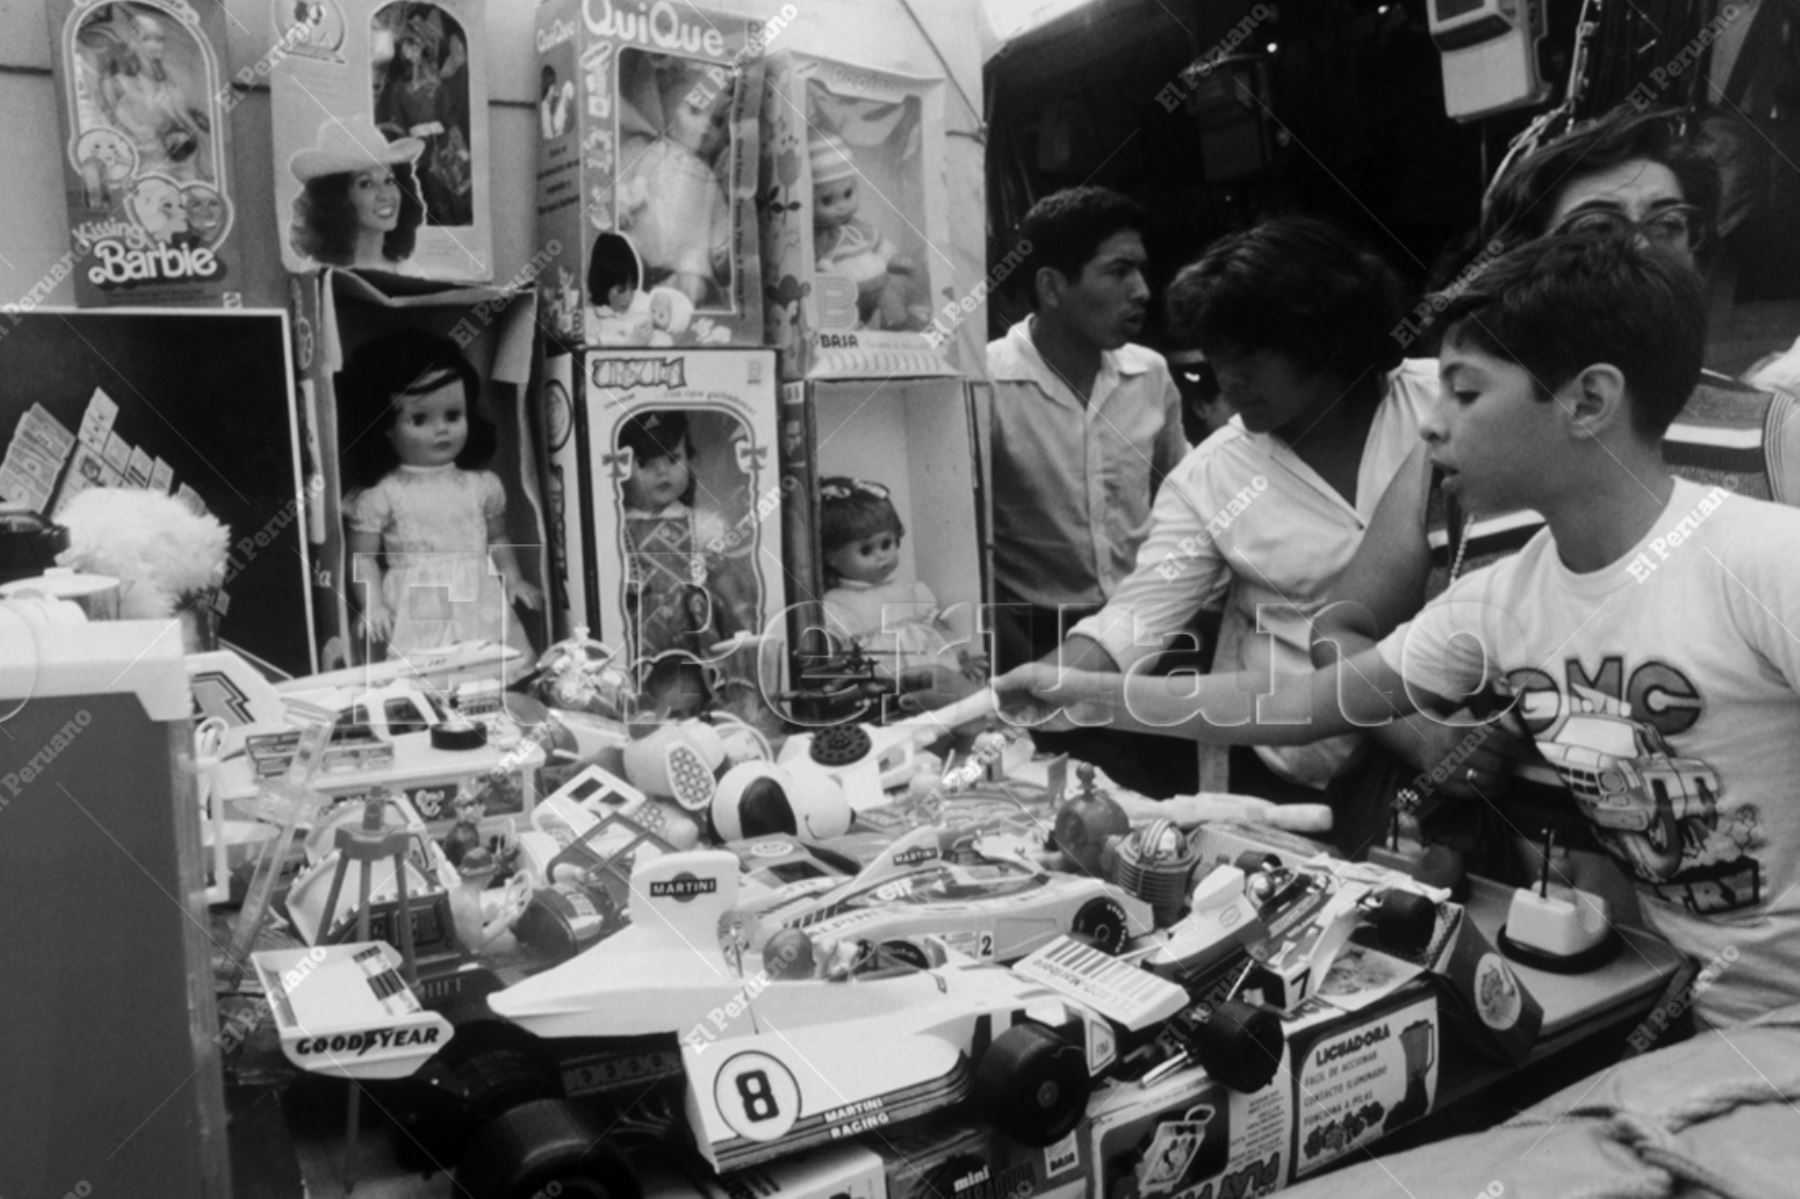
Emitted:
<point x="939" y="883"/>
<point x="769" y="1064"/>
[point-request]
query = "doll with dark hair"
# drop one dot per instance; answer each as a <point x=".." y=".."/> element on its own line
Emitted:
<point x="614" y="283"/>
<point x="677" y="597"/>
<point x="359" y="203"/>
<point x="427" y="526"/>
<point x="898" y="622"/>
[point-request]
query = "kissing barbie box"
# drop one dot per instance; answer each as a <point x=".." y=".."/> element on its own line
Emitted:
<point x="143" y="106"/>
<point x="647" y="152"/>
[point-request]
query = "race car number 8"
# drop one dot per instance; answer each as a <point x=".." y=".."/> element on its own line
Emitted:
<point x="757" y="1096"/>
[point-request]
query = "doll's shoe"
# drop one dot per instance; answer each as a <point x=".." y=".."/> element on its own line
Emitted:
<point x="690" y="780"/>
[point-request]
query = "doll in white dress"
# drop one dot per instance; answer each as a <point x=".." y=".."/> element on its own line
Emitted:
<point x="897" y="622"/>
<point x="427" y="530"/>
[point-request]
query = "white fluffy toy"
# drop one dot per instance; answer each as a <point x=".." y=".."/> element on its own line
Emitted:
<point x="163" y="553"/>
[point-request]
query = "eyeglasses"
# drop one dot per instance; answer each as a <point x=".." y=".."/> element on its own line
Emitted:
<point x="1675" y="226"/>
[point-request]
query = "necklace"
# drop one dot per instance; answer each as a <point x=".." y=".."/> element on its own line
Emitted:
<point x="1462" y="548"/>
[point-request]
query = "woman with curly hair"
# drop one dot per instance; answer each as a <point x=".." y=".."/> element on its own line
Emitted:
<point x="360" y="203"/>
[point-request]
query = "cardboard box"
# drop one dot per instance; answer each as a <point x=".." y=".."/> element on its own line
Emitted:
<point x="146" y="153"/>
<point x="372" y="85"/>
<point x="697" y="567"/>
<point x="338" y="311"/>
<point x="853" y="210"/>
<point x="647" y="158"/>
<point x="957" y="1160"/>
<point x="914" y="439"/>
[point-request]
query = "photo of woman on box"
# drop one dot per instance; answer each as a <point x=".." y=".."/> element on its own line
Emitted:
<point x="359" y="203"/>
<point x="896" y="621"/>
<point x="127" y="79"/>
<point x="421" y="82"/>
<point x="427" y="535"/>
<point x="674" y="143"/>
<point x="683" y="590"/>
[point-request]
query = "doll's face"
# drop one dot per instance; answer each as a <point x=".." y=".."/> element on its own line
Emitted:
<point x="431" y="427"/>
<point x="375" y="194"/>
<point x="834" y="202"/>
<point x="150" y="39"/>
<point x="662" y="311"/>
<point x="619" y="298"/>
<point x="657" y="482"/>
<point x="205" y="212"/>
<point x="870" y="559"/>
<point x="697" y="121"/>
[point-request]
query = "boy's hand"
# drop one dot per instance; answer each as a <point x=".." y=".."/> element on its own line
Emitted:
<point x="1469" y="761"/>
<point x="1040" y="696"/>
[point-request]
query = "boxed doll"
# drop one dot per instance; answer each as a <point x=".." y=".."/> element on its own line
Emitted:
<point x="853" y="215"/>
<point x="143" y="100"/>
<point x="380" y="137"/>
<point x="884" y="529"/>
<point x="668" y="475"/>
<point x="430" y="531"/>
<point x="647" y="158"/>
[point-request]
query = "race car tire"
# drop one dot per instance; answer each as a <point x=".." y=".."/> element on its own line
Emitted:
<point x="546" y="1147"/>
<point x="1405" y="922"/>
<point x="1240" y="1045"/>
<point x="1102" y="923"/>
<point x="461" y="1089"/>
<point x="1032" y="1085"/>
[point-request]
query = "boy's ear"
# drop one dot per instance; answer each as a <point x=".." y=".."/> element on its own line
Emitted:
<point x="1595" y="401"/>
<point x="1049" y="283"/>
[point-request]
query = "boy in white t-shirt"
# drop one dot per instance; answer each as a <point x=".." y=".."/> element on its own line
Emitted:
<point x="1651" y="632"/>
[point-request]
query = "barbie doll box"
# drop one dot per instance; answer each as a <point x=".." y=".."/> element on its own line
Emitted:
<point x="146" y="156"/>
<point x="380" y="114"/>
<point x="855" y="222"/>
<point x="647" y="159"/>
<point x="666" y="465"/>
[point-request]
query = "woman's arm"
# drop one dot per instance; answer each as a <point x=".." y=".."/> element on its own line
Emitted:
<point x="1384" y="584"/>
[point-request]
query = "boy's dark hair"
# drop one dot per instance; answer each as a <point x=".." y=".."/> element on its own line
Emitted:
<point x="381" y="372"/>
<point x="852" y="509"/>
<point x="1299" y="287"/>
<point x="1520" y="204"/>
<point x="1064" y="230"/>
<point x="611" y="262"/>
<point x="1560" y="304"/>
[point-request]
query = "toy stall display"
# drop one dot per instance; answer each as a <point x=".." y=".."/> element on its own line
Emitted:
<point x="853" y="208"/>
<point x="647" y="158"/>
<point x="194" y="404"/>
<point x="667" y="460"/>
<point x="884" y="532"/>
<point x="431" y="533"/>
<point x="146" y="152"/>
<point x="381" y="137"/>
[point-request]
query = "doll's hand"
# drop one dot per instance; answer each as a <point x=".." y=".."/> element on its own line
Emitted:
<point x="975" y="667"/>
<point x="522" y="592"/>
<point x="378" y="622"/>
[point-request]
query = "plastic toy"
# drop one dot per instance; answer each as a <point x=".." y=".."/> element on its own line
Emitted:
<point x="579" y="674"/>
<point x="850" y="247"/>
<point x="755" y="799"/>
<point x="941" y="884"/>
<point x="1087" y="822"/>
<point x="1563" y="930"/>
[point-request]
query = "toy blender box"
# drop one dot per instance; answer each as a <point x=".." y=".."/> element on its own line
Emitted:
<point x="853" y="199"/>
<point x="338" y="313"/>
<point x="667" y="458"/>
<point x="647" y="160"/>
<point x="380" y="117"/>
<point x="146" y="154"/>
<point x="956" y="1159"/>
<point x="870" y="448"/>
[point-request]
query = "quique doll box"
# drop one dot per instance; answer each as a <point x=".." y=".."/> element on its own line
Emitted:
<point x="611" y="79"/>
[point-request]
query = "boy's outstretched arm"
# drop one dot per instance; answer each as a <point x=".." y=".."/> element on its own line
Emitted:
<point x="1235" y="709"/>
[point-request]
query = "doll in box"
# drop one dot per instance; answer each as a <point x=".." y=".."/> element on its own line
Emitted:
<point x="850" y="247"/>
<point x="897" y="621"/>
<point x="678" y="593"/>
<point x="427" y="528"/>
<point x="614" y="275"/>
<point x="670" y="197"/>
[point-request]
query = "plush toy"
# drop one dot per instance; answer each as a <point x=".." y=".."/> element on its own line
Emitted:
<point x="850" y="247"/>
<point x="166" y="556"/>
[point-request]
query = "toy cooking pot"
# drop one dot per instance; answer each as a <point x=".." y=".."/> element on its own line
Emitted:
<point x="28" y="543"/>
<point x="95" y="595"/>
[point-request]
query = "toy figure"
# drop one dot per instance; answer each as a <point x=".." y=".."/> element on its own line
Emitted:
<point x="419" y="506"/>
<point x="670" y="199"/>
<point x="670" y="312"/>
<point x="897" y="622"/>
<point x="676" y="595"/>
<point x="614" y="276"/>
<point x="360" y="203"/>
<point x="484" y="919"/>
<point x="850" y="247"/>
<point x="142" y="99"/>
<point x="205" y="210"/>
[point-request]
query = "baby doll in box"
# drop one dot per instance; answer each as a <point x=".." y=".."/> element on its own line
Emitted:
<point x="848" y="246"/>
<point x="898" y="622"/>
